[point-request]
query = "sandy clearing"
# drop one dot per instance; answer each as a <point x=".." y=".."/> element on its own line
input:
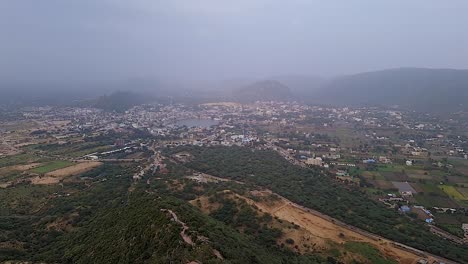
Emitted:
<point x="25" y="167"/>
<point x="325" y="229"/>
<point x="74" y="169"/>
<point x="319" y="231"/>
<point x="56" y="176"/>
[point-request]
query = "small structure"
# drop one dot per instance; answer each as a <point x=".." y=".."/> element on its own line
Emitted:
<point x="342" y="173"/>
<point x="317" y="161"/>
<point x="465" y="230"/>
<point x="384" y="160"/>
<point x="368" y="161"/>
<point x="405" y="209"/>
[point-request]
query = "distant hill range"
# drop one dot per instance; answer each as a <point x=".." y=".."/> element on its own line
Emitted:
<point x="431" y="90"/>
<point x="268" y="90"/>
<point x="302" y="86"/>
<point x="120" y="101"/>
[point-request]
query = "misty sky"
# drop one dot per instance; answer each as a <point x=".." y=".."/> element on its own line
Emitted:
<point x="216" y="39"/>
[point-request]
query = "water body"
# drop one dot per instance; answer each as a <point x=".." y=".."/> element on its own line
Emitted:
<point x="204" y="123"/>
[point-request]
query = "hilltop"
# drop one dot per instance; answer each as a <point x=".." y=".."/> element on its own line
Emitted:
<point x="434" y="90"/>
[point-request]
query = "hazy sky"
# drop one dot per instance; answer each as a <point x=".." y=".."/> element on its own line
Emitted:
<point x="216" y="39"/>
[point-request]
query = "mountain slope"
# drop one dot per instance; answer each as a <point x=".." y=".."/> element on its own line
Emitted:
<point x="268" y="90"/>
<point x="302" y="85"/>
<point x="436" y="90"/>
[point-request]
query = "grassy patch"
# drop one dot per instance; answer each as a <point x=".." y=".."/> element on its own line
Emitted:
<point x="373" y="175"/>
<point x="24" y="199"/>
<point x="453" y="229"/>
<point x="430" y="200"/>
<point x="391" y="168"/>
<point x="9" y="176"/>
<point x="368" y="251"/>
<point x="452" y="192"/>
<point x="17" y="159"/>
<point x="81" y="153"/>
<point x="463" y="191"/>
<point x="51" y="166"/>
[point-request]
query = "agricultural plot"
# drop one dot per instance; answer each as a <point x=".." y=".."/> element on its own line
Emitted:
<point x="395" y="176"/>
<point x="453" y="192"/>
<point x="431" y="195"/>
<point x="463" y="191"/>
<point x="75" y="169"/>
<point x="457" y="179"/>
<point x="417" y="187"/>
<point x="460" y="165"/>
<point x="84" y="152"/>
<point x="382" y="184"/>
<point x="391" y="168"/>
<point x="373" y="175"/>
<point x="404" y="187"/>
<point x="413" y="176"/>
<point x="51" y="166"/>
<point x="75" y="149"/>
<point x="429" y="200"/>
<point x="56" y="176"/>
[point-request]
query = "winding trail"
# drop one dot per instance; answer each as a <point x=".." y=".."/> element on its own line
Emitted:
<point x="187" y="239"/>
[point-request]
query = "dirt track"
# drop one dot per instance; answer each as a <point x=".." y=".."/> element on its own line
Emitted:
<point x="323" y="227"/>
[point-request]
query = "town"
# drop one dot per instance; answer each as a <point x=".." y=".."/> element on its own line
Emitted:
<point x="410" y="163"/>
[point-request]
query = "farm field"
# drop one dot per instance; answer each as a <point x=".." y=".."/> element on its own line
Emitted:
<point x="373" y="175"/>
<point x="73" y="149"/>
<point x="430" y="195"/>
<point x="383" y="184"/>
<point x="429" y="200"/>
<point x="452" y="192"/>
<point x="460" y="165"/>
<point x="395" y="176"/>
<point x="463" y="191"/>
<point x="74" y="169"/>
<point x="56" y="176"/>
<point x="51" y="166"/>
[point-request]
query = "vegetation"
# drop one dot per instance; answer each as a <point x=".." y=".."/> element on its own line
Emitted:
<point x="100" y="221"/>
<point x="318" y="191"/>
<point x="367" y="251"/>
<point x="51" y="166"/>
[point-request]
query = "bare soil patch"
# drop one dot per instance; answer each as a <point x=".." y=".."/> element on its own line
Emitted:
<point x="382" y="184"/>
<point x="322" y="229"/>
<point x="54" y="177"/>
<point x="75" y="169"/>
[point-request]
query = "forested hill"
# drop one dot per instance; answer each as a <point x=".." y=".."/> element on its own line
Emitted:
<point x="433" y="90"/>
<point x="318" y="191"/>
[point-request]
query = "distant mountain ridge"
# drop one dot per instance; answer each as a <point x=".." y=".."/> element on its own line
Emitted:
<point x="121" y="101"/>
<point x="268" y="90"/>
<point x="420" y="89"/>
